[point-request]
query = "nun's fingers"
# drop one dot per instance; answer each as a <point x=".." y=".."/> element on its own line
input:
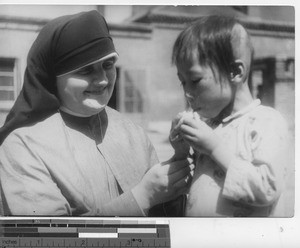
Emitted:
<point x="179" y="165"/>
<point x="178" y="176"/>
<point x="175" y="136"/>
<point x="184" y="183"/>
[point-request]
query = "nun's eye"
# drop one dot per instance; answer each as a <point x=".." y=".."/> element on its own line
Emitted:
<point x="108" y="64"/>
<point x="85" y="70"/>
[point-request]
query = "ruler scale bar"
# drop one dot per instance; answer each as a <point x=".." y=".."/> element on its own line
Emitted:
<point x="95" y="242"/>
<point x="74" y="233"/>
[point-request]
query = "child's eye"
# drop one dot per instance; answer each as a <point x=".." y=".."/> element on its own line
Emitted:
<point x="195" y="81"/>
<point x="85" y="70"/>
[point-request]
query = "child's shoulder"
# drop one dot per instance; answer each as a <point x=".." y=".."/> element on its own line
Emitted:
<point x="266" y="114"/>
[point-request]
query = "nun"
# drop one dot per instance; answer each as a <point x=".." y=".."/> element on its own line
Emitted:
<point x="63" y="151"/>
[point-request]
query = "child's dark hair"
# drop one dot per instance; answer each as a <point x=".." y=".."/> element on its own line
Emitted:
<point x="209" y="38"/>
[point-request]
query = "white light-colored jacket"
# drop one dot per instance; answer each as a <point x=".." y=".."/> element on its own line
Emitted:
<point x="57" y="168"/>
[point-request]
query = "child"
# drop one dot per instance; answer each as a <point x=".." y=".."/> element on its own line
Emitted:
<point x="239" y="149"/>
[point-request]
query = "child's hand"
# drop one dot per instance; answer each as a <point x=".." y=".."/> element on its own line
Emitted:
<point x="177" y="142"/>
<point x="198" y="135"/>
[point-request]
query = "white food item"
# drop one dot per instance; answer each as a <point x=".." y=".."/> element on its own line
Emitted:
<point x="174" y="135"/>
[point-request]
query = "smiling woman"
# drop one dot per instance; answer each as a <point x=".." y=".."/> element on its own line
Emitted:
<point x="64" y="152"/>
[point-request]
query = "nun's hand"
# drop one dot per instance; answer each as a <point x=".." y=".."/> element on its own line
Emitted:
<point x="163" y="182"/>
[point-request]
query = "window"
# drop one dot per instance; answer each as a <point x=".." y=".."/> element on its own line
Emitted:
<point x="131" y="94"/>
<point x="134" y="82"/>
<point x="7" y="80"/>
<point x="257" y="83"/>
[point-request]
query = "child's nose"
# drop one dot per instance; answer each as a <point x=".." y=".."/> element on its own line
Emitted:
<point x="189" y="97"/>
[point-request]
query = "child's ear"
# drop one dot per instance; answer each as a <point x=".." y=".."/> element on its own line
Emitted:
<point x="238" y="72"/>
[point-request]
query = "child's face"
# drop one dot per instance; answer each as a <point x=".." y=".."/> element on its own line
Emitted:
<point x="204" y="91"/>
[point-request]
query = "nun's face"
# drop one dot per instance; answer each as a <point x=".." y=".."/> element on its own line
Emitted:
<point x="87" y="90"/>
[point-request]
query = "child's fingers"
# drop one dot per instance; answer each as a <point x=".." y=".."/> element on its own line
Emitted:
<point x="190" y="135"/>
<point x="188" y="130"/>
<point x="177" y="120"/>
<point x="175" y="128"/>
<point x="192" y="122"/>
<point x="191" y="140"/>
<point x="179" y="123"/>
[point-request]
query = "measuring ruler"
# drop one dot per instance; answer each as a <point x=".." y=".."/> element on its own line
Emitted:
<point x="37" y="233"/>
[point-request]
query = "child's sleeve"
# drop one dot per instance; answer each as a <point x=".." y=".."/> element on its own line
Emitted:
<point x="259" y="181"/>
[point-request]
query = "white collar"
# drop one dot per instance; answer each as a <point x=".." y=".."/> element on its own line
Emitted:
<point x="70" y="112"/>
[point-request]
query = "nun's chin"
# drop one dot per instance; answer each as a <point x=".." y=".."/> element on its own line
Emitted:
<point x="95" y="105"/>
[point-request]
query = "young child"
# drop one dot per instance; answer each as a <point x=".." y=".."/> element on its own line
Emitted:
<point x="240" y="147"/>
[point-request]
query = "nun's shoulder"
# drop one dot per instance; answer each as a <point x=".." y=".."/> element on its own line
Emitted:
<point x="46" y="129"/>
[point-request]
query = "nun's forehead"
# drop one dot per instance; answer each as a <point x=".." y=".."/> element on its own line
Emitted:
<point x="113" y="55"/>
